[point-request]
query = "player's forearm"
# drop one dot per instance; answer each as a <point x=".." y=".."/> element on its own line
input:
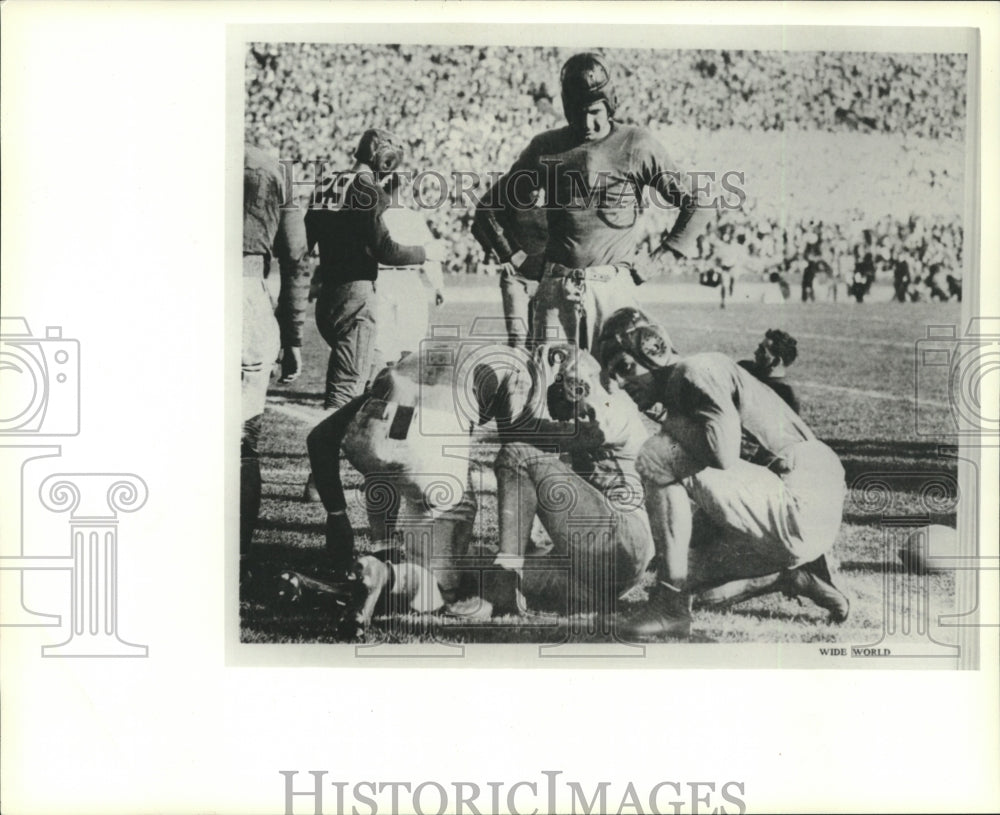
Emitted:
<point x="293" y="301"/>
<point x="291" y="244"/>
<point x="692" y="219"/>
<point x="488" y="232"/>
<point x="389" y="253"/>
<point x="312" y="231"/>
<point x="710" y="443"/>
<point x="517" y="192"/>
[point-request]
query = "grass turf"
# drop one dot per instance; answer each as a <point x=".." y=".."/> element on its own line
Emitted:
<point x="856" y="380"/>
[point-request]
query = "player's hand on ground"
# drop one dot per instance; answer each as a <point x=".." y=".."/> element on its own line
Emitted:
<point x="291" y="365"/>
<point x="663" y="460"/>
<point x="436" y="251"/>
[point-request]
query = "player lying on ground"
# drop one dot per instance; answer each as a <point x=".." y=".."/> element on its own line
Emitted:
<point x="768" y="494"/>
<point x="397" y="436"/>
<point x="591" y="508"/>
<point x="406" y="472"/>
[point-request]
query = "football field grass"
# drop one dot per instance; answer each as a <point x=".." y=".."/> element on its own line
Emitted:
<point x="855" y="378"/>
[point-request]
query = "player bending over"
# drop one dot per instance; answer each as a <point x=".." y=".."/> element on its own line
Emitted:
<point x="578" y="476"/>
<point x="405" y="468"/>
<point x="767" y="494"/>
<point x="397" y="436"/>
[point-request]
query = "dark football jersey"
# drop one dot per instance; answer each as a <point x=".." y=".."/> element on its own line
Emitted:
<point x="779" y="385"/>
<point x="592" y="193"/>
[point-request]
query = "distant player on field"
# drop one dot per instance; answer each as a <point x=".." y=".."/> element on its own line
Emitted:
<point x="730" y="258"/>
<point x="864" y="276"/>
<point x="591" y="175"/>
<point x="901" y="278"/>
<point x="776" y="352"/>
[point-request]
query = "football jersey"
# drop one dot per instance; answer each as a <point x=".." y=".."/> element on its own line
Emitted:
<point x="727" y="402"/>
<point x="348" y="224"/>
<point x="593" y="191"/>
<point x="777" y="384"/>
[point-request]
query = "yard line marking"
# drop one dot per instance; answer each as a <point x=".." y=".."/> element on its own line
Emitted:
<point x="798" y="334"/>
<point x="870" y="394"/>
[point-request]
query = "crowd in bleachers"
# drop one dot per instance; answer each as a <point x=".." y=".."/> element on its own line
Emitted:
<point x="471" y="109"/>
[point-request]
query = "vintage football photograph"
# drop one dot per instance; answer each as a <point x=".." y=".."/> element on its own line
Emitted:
<point x="605" y="346"/>
<point x="499" y="407"/>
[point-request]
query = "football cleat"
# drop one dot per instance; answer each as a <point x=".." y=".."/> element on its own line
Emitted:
<point x="289" y="588"/>
<point x="814" y="582"/>
<point x="343" y="591"/>
<point x="502" y="588"/>
<point x="666" y="615"/>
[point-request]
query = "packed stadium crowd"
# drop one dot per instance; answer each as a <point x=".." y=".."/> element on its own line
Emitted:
<point x="471" y="109"/>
